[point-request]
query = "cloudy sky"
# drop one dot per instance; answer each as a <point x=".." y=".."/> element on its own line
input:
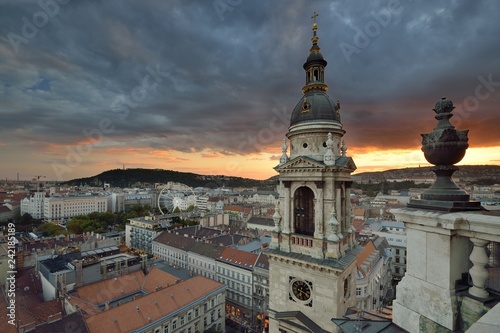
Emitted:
<point x="208" y="86"/>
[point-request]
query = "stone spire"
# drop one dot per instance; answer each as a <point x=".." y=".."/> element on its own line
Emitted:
<point x="315" y="64"/>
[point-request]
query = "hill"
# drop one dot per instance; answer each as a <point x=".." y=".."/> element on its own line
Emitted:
<point x="472" y="173"/>
<point x="488" y="174"/>
<point x="135" y="177"/>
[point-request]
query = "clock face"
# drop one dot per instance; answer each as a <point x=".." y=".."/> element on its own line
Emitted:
<point x="301" y="290"/>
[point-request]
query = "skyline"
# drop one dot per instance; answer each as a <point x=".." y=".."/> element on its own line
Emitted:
<point x="208" y="87"/>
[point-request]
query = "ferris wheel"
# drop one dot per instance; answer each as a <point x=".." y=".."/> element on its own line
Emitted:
<point x="176" y="197"/>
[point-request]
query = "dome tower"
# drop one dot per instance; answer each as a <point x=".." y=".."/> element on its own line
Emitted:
<point x="316" y="114"/>
<point x="312" y="268"/>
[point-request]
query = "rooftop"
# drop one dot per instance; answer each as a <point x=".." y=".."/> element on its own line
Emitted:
<point x="238" y="258"/>
<point x="147" y="309"/>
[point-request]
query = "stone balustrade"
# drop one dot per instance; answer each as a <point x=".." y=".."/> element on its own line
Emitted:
<point x="442" y="248"/>
<point x="302" y="241"/>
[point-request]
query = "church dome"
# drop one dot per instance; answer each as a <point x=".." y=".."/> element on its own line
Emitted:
<point x="315" y="57"/>
<point x="315" y="106"/>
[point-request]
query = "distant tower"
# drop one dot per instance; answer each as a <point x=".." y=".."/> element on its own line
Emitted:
<point x="312" y="253"/>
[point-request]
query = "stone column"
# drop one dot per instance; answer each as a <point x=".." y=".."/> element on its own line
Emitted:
<point x="478" y="272"/>
<point x="318" y="213"/>
<point x="286" y="209"/>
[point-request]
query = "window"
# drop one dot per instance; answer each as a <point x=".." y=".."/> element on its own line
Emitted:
<point x="182" y="320"/>
<point x="346" y="287"/>
<point x="165" y="328"/>
<point x="212" y="316"/>
<point x="196" y="312"/>
<point x="358" y="291"/>
<point x="174" y="324"/>
<point x="190" y="315"/>
<point x="205" y="321"/>
<point x="304" y="211"/>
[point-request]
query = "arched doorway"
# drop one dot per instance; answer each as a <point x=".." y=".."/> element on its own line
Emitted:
<point x="303" y="204"/>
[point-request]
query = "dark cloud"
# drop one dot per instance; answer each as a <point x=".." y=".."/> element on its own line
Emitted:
<point x="224" y="71"/>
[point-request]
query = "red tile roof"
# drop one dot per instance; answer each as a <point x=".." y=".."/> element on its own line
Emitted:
<point x="154" y="306"/>
<point x="239" y="258"/>
<point x="102" y="291"/>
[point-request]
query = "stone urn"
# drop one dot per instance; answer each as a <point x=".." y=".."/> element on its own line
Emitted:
<point x="444" y="147"/>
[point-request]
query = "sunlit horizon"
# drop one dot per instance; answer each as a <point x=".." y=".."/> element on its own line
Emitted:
<point x="257" y="166"/>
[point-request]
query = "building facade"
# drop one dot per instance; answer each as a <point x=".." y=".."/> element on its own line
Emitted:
<point x="140" y="232"/>
<point x="234" y="269"/>
<point x="33" y="205"/>
<point x="62" y="209"/>
<point x="373" y="278"/>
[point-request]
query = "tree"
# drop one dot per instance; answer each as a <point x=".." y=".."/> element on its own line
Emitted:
<point x="26" y="222"/>
<point x="85" y="223"/>
<point x="50" y="229"/>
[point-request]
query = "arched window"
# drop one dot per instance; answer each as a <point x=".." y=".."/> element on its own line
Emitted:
<point x="303" y="204"/>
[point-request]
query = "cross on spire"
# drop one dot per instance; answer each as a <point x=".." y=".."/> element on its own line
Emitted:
<point x="314" y="17"/>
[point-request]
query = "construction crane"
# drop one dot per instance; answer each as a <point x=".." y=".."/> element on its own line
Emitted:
<point x="38" y="182"/>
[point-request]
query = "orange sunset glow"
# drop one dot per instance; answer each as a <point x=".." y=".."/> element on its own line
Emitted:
<point x="180" y="86"/>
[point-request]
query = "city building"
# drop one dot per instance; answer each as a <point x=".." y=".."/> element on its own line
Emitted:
<point x="261" y="288"/>
<point x="235" y="270"/>
<point x="33" y="205"/>
<point x="262" y="224"/>
<point x="312" y="255"/>
<point x="8" y="211"/>
<point x="260" y="197"/>
<point x="62" y="209"/>
<point x="373" y="278"/>
<point x="122" y="202"/>
<point x="175" y="246"/>
<point x="395" y="234"/>
<point x="152" y="302"/>
<point x="140" y="232"/>
<point x="4" y="260"/>
<point x="73" y="268"/>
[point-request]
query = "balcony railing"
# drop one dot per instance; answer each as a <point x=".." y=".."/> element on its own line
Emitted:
<point x="483" y="232"/>
<point x="302" y="241"/>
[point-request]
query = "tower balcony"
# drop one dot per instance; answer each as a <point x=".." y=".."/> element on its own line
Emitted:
<point x="302" y="241"/>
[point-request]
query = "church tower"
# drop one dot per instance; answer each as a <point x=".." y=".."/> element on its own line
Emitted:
<point x="312" y="253"/>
